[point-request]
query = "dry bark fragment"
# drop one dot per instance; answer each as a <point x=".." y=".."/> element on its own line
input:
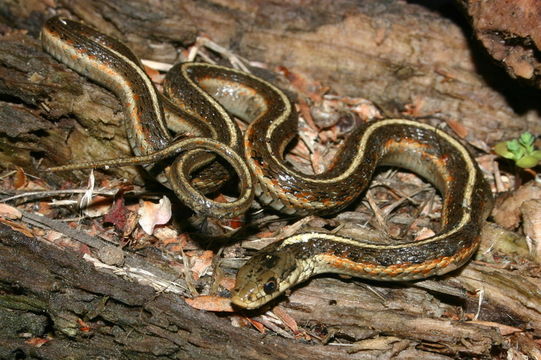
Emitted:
<point x="510" y="32"/>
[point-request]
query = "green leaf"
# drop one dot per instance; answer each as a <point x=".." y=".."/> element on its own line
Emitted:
<point x="513" y="145"/>
<point x="519" y="153"/>
<point x="536" y="154"/>
<point x="527" y="162"/>
<point x="521" y="150"/>
<point x="527" y="139"/>
<point x="502" y="150"/>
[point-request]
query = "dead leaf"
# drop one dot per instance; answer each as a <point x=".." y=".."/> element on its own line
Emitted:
<point x="9" y="212"/>
<point x="304" y="110"/>
<point x="154" y="75"/>
<point x="45" y="209"/>
<point x="53" y="236"/>
<point x="117" y="214"/>
<point x="37" y="342"/>
<point x="17" y="227"/>
<point x="175" y="244"/>
<point x="458" y="128"/>
<point x="286" y="319"/>
<point x="239" y="321"/>
<point x="211" y="303"/>
<point x="424" y="233"/>
<point x="227" y="282"/>
<point x="20" y="180"/>
<point x="97" y="206"/>
<point x="259" y="326"/>
<point x="131" y="224"/>
<point x="152" y="214"/>
<point x="200" y="263"/>
<point x="164" y="234"/>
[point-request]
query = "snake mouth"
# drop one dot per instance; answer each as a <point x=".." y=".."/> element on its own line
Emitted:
<point x="249" y="297"/>
<point x="240" y="302"/>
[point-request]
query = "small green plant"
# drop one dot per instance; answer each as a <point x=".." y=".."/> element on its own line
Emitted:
<point x="522" y="151"/>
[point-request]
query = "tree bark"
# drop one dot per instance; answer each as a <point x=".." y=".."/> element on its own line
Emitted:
<point x="51" y="289"/>
<point x="510" y="33"/>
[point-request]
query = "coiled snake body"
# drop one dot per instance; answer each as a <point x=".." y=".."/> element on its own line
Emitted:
<point x="203" y="92"/>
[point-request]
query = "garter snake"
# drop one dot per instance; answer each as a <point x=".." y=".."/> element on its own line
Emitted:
<point x="419" y="147"/>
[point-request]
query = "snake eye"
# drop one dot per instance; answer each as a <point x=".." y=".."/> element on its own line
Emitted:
<point x="270" y="286"/>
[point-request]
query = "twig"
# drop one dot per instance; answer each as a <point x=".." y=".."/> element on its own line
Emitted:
<point x="34" y="195"/>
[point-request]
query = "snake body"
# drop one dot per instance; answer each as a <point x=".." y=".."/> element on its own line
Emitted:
<point x="422" y="148"/>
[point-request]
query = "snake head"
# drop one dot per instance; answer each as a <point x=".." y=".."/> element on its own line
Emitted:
<point x="265" y="276"/>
